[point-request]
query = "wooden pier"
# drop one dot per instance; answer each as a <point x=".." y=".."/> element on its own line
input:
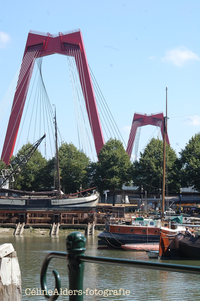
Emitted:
<point x="51" y="220"/>
<point x="54" y="220"/>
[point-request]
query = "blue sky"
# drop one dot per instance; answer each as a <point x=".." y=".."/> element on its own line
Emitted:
<point x="134" y="48"/>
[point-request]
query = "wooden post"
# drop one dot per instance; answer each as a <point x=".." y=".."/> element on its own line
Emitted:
<point x="10" y="275"/>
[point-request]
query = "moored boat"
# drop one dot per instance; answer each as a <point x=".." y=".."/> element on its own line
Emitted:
<point x="54" y="200"/>
<point x="139" y="232"/>
<point x="83" y="200"/>
<point x="189" y="246"/>
<point x="179" y="246"/>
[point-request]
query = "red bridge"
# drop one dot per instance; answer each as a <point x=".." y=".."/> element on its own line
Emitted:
<point x="71" y="44"/>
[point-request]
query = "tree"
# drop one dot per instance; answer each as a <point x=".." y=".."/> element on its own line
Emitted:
<point x="148" y="171"/>
<point x="190" y="163"/>
<point x="2" y="165"/>
<point x="113" y="168"/>
<point x="73" y="168"/>
<point x="30" y="177"/>
<point x="2" y="174"/>
<point x="47" y="174"/>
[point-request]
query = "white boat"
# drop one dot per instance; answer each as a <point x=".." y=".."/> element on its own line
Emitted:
<point x="46" y="203"/>
<point x="54" y="200"/>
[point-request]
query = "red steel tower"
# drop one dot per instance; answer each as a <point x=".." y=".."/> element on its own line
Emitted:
<point x="40" y="45"/>
<point x="141" y="120"/>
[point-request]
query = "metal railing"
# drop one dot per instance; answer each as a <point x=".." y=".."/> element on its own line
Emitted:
<point x="76" y="258"/>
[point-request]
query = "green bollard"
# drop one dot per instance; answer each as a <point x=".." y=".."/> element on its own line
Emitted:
<point x="75" y="246"/>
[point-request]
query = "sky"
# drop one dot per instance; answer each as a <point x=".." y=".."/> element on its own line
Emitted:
<point x="134" y="48"/>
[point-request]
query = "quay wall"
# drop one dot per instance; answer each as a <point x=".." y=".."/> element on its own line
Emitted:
<point x="48" y="226"/>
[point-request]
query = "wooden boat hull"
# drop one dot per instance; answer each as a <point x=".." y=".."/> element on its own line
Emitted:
<point x="118" y="235"/>
<point x="168" y="246"/>
<point x="180" y="246"/>
<point x="49" y="204"/>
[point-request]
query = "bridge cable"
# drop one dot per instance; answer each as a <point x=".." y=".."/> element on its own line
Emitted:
<point x="105" y="108"/>
<point x="27" y="63"/>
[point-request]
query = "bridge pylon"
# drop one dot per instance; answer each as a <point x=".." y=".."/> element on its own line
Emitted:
<point x="141" y="120"/>
<point x="40" y="45"/>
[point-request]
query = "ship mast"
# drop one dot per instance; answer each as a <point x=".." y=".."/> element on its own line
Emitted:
<point x="57" y="173"/>
<point x="164" y="158"/>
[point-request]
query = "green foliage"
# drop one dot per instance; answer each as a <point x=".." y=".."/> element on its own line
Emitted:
<point x="190" y="162"/>
<point x="30" y="177"/>
<point x="113" y="168"/>
<point x="74" y="166"/>
<point x="148" y="171"/>
<point x="38" y="173"/>
<point x="2" y="165"/>
<point x="47" y="175"/>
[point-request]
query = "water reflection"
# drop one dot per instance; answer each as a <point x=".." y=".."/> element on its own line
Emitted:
<point x="142" y="284"/>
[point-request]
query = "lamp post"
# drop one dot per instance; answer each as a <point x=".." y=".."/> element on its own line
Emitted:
<point x="141" y="196"/>
<point x="146" y="203"/>
<point x="180" y="197"/>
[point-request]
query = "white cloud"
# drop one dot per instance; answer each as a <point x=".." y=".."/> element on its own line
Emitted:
<point x="4" y="39"/>
<point x="180" y="55"/>
<point x="126" y="129"/>
<point x="153" y="57"/>
<point x="193" y="120"/>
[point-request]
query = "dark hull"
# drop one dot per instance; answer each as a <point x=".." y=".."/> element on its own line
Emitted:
<point x="181" y="246"/>
<point x="116" y="240"/>
<point x="189" y="247"/>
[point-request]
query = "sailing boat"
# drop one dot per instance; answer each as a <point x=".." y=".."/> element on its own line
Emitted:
<point x="49" y="201"/>
<point x="164" y="159"/>
<point x="182" y="244"/>
<point x="44" y="201"/>
<point x="139" y="231"/>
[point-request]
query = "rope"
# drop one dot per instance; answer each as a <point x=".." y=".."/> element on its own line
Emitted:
<point x="110" y="242"/>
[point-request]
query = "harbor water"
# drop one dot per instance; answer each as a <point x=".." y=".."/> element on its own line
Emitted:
<point x="101" y="281"/>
